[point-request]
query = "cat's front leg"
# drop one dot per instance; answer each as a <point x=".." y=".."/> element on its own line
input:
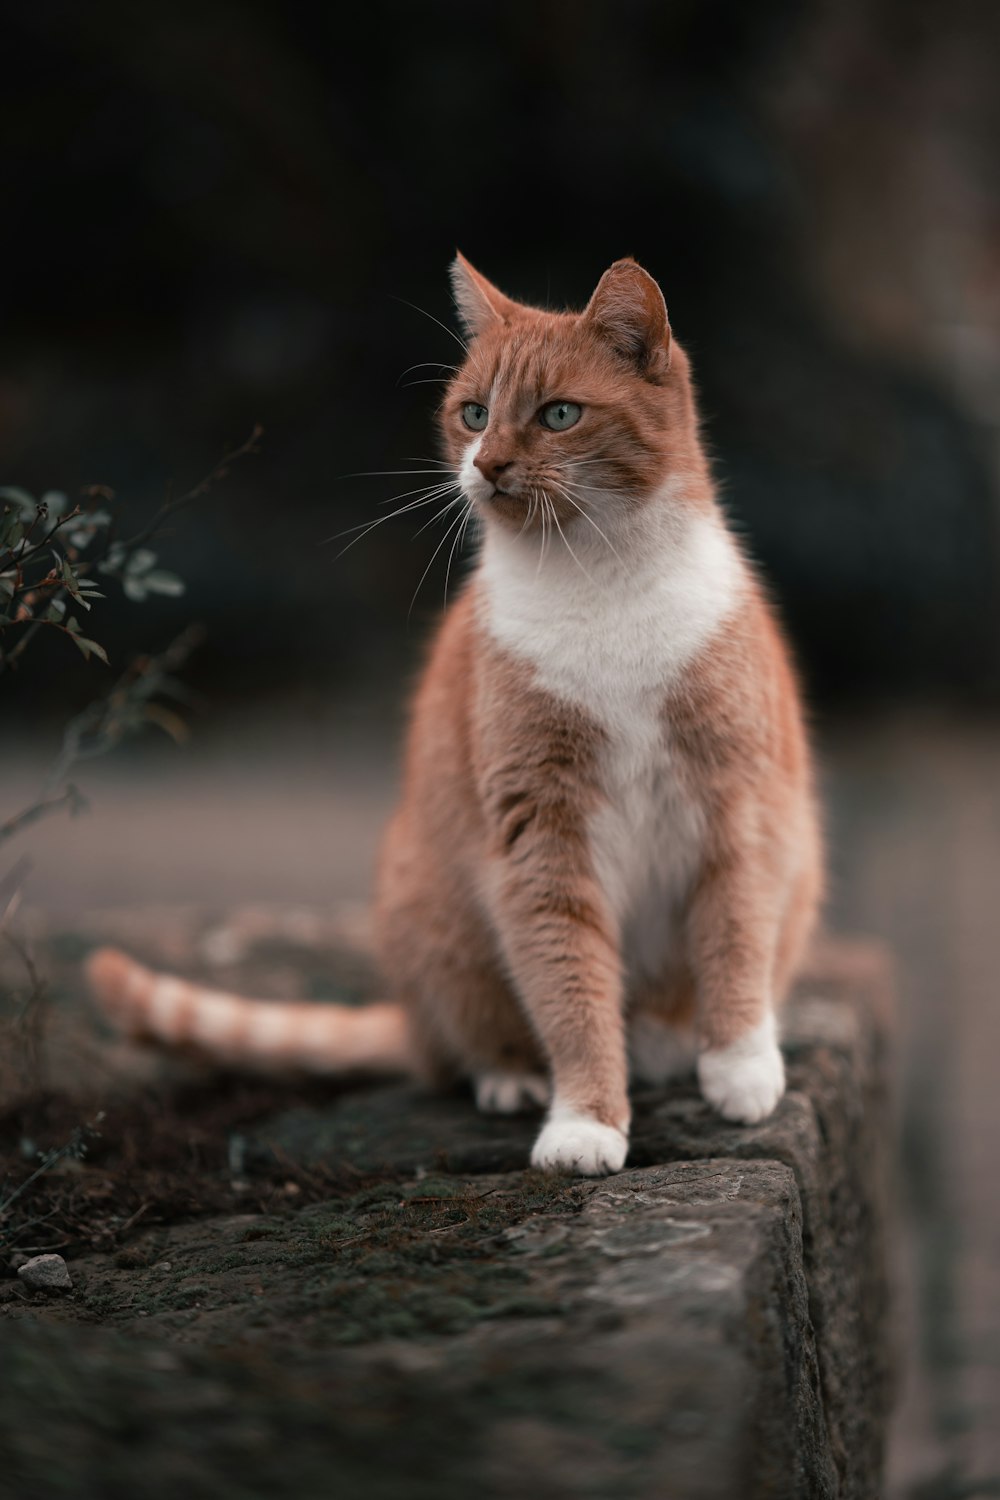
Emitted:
<point x="734" y="936"/>
<point x="562" y="952"/>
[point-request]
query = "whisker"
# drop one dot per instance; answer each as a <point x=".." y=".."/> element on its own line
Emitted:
<point x="460" y="533"/>
<point x="569" y="549"/>
<point x="428" y="364"/>
<point x="528" y="516"/>
<point x="391" y="473"/>
<point x="601" y="489"/>
<point x="547" y="507"/>
<point x="437" y="515"/>
<point x="437" y="549"/>
<point x="588" y="517"/>
<point x="472" y="515"/>
<point x="450" y="331"/>
<point x="421" y="490"/>
<point x="424" y="497"/>
<point x="366" y="526"/>
<point x="541" y="554"/>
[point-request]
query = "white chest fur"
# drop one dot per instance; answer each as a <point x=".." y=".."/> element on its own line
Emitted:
<point x="612" y="641"/>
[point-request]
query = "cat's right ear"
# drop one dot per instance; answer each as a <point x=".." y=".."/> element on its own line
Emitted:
<point x="480" y="305"/>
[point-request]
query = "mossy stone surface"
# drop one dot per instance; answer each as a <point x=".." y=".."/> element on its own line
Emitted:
<point x="414" y="1314"/>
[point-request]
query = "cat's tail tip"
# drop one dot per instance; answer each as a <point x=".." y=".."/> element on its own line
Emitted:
<point x="114" y="981"/>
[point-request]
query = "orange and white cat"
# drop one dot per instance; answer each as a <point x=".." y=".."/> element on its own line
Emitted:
<point x="606" y="858"/>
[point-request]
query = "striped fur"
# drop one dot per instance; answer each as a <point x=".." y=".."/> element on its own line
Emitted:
<point x="249" y="1033"/>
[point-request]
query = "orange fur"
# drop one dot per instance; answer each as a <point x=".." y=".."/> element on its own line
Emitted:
<point x="542" y="819"/>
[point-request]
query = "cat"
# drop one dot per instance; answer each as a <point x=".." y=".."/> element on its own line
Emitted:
<point x="607" y="855"/>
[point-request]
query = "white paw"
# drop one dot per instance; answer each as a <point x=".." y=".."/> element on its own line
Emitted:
<point x="500" y="1093"/>
<point x="575" y="1142"/>
<point x="745" y="1080"/>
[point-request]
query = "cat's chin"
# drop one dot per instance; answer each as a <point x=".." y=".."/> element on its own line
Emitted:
<point x="514" y="512"/>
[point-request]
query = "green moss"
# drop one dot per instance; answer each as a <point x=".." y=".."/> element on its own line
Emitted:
<point x="260" y="1232"/>
<point x="187" y="1296"/>
<point x="394" y="1260"/>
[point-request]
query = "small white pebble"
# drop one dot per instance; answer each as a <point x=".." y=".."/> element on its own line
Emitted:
<point x="46" y="1273"/>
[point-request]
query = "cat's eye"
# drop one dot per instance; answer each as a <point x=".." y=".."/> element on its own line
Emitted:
<point x="559" y="415"/>
<point x="475" y="415"/>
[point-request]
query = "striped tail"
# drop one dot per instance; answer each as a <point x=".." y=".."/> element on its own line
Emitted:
<point x="263" y="1034"/>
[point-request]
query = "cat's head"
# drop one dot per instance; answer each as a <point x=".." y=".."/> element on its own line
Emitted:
<point x="578" y="413"/>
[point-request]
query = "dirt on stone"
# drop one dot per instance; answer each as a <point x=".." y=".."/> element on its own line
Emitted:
<point x="292" y="1287"/>
<point x="140" y="1161"/>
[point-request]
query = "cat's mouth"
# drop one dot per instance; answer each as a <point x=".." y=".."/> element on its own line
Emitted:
<point x="507" y="499"/>
<point x="512" y="508"/>
<point x="518" y="504"/>
<point x="510" y="491"/>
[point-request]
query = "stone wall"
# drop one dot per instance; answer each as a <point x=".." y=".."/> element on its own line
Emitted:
<point x="712" y="1322"/>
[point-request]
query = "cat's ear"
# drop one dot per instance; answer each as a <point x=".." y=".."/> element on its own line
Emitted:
<point x="628" y="310"/>
<point x="479" y="303"/>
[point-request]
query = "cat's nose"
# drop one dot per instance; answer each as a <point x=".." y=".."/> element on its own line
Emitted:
<point x="491" y="468"/>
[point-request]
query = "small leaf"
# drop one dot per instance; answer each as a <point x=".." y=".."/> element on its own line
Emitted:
<point x="25" y="502"/>
<point x="71" y="583"/>
<point x="140" y="561"/>
<point x="162" y="582"/>
<point x="13" y="531"/>
<point x="114" y="559"/>
<point x="84" y="531"/>
<point x="89" y="647"/>
<point x="168" y="721"/>
<point x="134" y="588"/>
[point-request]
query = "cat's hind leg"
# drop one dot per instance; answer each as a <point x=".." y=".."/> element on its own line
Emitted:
<point x="437" y="956"/>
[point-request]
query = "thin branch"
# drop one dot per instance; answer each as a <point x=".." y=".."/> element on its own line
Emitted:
<point x="214" y="476"/>
<point x="104" y="723"/>
<point x="19" y="559"/>
<point x="71" y="798"/>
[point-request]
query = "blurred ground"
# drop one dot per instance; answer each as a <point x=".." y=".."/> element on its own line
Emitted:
<point x="280" y="811"/>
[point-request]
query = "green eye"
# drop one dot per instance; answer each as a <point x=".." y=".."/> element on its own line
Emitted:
<point x="560" y="414"/>
<point x="475" y="416"/>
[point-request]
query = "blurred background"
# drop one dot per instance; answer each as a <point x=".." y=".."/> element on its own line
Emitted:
<point x="218" y="215"/>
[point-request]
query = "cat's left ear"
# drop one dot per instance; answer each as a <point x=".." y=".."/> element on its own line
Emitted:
<point x="480" y="305"/>
<point x="628" y="311"/>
